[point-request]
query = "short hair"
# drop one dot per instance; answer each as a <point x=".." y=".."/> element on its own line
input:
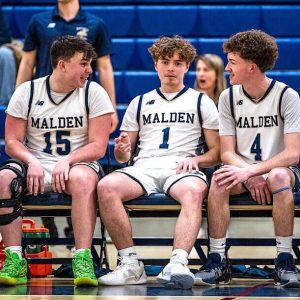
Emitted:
<point x="165" y="47"/>
<point x="254" y="45"/>
<point x="66" y="46"/>
<point x="214" y="62"/>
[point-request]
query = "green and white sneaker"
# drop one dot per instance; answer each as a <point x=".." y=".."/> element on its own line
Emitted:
<point x="14" y="270"/>
<point x="83" y="269"/>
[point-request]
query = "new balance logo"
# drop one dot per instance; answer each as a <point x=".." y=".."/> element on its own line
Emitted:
<point x="39" y="102"/>
<point x="240" y="102"/>
<point x="150" y="102"/>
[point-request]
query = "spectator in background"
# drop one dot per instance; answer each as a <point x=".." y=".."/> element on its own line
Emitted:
<point x="210" y="77"/>
<point x="67" y="18"/>
<point x="8" y="63"/>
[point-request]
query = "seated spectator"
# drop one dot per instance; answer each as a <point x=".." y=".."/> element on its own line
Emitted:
<point x="210" y="77"/>
<point x="10" y="55"/>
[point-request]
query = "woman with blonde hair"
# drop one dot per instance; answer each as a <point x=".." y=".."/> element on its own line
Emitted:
<point x="210" y="77"/>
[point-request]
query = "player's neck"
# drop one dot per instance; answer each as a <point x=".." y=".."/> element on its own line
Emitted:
<point x="257" y="88"/>
<point x="171" y="89"/>
<point x="58" y="85"/>
<point x="69" y="10"/>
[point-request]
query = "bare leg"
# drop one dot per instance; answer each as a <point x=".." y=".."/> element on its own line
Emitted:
<point x="11" y="233"/>
<point x="82" y="187"/>
<point x="189" y="192"/>
<point x="218" y="210"/>
<point x="113" y="189"/>
<point x="283" y="202"/>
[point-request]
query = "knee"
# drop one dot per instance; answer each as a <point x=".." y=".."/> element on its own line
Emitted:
<point x="5" y="181"/>
<point x="194" y="197"/>
<point x="278" y="178"/>
<point x="105" y="190"/>
<point x="82" y="181"/>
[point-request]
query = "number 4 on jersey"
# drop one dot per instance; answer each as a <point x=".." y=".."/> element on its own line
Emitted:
<point x="255" y="148"/>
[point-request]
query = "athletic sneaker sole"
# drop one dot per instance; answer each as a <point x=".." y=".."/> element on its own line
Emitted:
<point x="85" y="281"/>
<point x="12" y="281"/>
<point x="177" y="281"/>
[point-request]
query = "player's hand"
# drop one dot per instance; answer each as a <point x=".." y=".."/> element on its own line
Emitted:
<point x="60" y="175"/>
<point x="114" y="122"/>
<point x="35" y="178"/>
<point x="123" y="143"/>
<point x="231" y="176"/>
<point x="259" y="190"/>
<point x="187" y="166"/>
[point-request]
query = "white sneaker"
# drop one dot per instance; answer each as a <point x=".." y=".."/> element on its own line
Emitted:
<point x="176" y="275"/>
<point x="125" y="273"/>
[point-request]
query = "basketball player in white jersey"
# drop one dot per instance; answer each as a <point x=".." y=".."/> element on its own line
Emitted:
<point x="260" y="142"/>
<point x="57" y="127"/>
<point x="164" y="128"/>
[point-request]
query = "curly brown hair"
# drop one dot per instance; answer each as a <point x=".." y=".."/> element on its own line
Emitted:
<point x="165" y="47"/>
<point x="254" y="45"/>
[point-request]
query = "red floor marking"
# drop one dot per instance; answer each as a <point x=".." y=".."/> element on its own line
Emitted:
<point x="246" y="292"/>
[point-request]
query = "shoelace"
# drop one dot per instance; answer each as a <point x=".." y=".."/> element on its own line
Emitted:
<point x="83" y="265"/>
<point x="10" y="266"/>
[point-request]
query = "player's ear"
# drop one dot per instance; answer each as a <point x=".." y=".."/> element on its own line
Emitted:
<point x="61" y="65"/>
<point x="155" y="65"/>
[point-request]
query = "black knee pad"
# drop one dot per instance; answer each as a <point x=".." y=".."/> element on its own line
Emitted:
<point x="18" y="184"/>
<point x="16" y="213"/>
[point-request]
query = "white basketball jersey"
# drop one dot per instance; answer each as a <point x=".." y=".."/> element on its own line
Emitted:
<point x="259" y="126"/>
<point x="170" y="128"/>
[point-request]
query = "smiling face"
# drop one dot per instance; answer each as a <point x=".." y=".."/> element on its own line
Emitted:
<point x="171" y="72"/>
<point x="238" y="68"/>
<point x="76" y="70"/>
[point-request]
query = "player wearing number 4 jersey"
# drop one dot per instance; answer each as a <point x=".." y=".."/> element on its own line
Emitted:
<point x="57" y="127"/>
<point x="260" y="142"/>
<point x="164" y="130"/>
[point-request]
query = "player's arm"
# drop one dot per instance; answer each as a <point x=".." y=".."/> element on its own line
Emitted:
<point x="106" y="75"/>
<point x="15" y="129"/>
<point x="26" y="67"/>
<point x="228" y="152"/>
<point x="288" y="157"/>
<point x="125" y="145"/>
<point x="98" y="135"/>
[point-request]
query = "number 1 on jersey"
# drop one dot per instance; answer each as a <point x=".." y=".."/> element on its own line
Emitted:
<point x="255" y="148"/>
<point x="164" y="144"/>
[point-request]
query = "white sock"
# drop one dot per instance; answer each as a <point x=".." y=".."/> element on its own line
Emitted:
<point x="79" y="251"/>
<point x="217" y="246"/>
<point x="129" y="253"/>
<point x="181" y="255"/>
<point x="15" y="249"/>
<point x="284" y="244"/>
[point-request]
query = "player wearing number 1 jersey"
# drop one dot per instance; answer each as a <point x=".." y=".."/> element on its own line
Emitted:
<point x="164" y="130"/>
<point x="260" y="142"/>
<point x="57" y="127"/>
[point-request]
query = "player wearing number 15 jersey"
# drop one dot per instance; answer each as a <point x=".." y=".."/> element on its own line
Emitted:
<point x="57" y="127"/>
<point x="260" y="149"/>
<point x="164" y="130"/>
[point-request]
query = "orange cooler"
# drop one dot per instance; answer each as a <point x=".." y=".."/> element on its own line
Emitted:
<point x="36" y="251"/>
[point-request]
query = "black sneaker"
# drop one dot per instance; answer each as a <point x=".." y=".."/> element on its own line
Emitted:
<point x="214" y="271"/>
<point x="286" y="273"/>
